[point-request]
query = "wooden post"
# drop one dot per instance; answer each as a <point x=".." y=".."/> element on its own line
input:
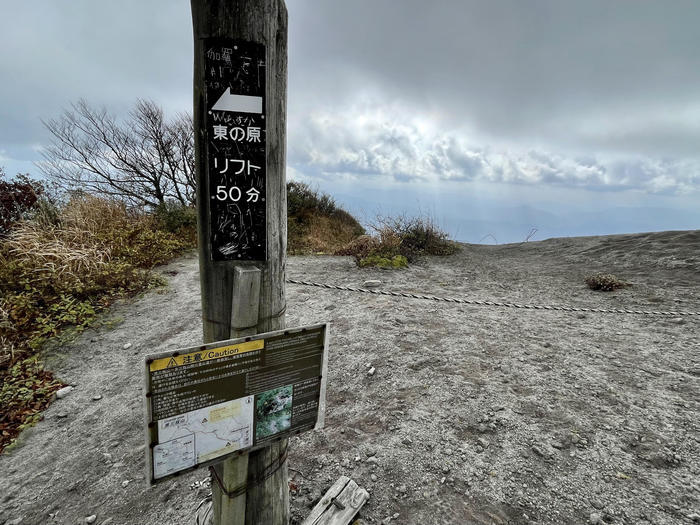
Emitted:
<point x="226" y="315"/>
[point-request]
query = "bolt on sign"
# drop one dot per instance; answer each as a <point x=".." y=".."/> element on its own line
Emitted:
<point x="234" y="79"/>
<point x="209" y="402"/>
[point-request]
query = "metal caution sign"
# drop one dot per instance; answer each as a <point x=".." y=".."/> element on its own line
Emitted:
<point x="229" y="397"/>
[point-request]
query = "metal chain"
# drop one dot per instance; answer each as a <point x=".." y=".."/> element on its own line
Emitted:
<point x="491" y="303"/>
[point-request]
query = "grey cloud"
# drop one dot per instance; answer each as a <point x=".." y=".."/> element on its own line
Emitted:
<point x="580" y="94"/>
<point x="527" y="71"/>
<point x="109" y="53"/>
<point x="373" y="146"/>
<point x="468" y="163"/>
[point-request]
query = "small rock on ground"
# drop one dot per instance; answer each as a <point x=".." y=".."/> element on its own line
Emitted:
<point x="595" y="519"/>
<point x="63" y="392"/>
<point x="540" y="451"/>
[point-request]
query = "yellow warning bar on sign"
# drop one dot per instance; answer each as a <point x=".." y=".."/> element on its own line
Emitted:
<point x="206" y="355"/>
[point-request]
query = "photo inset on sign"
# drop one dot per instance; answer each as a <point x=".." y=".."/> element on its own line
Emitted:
<point x="273" y="411"/>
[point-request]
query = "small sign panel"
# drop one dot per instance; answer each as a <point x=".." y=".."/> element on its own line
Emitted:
<point x="205" y="403"/>
<point x="235" y="137"/>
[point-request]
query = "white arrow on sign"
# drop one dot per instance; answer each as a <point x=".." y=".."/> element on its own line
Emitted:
<point x="239" y="103"/>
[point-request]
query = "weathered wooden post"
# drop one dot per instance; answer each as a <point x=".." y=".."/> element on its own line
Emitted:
<point x="240" y="93"/>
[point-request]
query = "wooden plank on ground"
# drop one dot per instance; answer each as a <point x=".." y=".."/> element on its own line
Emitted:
<point x="339" y="504"/>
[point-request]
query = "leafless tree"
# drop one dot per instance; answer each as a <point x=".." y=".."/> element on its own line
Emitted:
<point x="143" y="159"/>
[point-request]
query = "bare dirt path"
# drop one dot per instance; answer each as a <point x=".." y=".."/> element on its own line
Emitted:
<point x="473" y="415"/>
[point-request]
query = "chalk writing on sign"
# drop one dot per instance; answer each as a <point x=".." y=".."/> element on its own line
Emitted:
<point x="235" y="141"/>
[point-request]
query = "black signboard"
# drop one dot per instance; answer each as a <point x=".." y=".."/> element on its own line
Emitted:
<point x="235" y="136"/>
<point x="208" y="402"/>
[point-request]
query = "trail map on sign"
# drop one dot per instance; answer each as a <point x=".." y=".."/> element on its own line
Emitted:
<point x="202" y="435"/>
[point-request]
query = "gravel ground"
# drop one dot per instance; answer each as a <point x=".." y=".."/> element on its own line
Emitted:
<point x="472" y="414"/>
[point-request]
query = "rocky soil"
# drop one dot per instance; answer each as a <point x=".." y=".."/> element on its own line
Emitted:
<point x="446" y="413"/>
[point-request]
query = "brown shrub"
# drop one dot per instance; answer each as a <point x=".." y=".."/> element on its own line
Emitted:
<point x="315" y="224"/>
<point x="605" y="282"/>
<point x="17" y="198"/>
<point x="402" y="236"/>
<point x="418" y="236"/>
<point x="360" y="247"/>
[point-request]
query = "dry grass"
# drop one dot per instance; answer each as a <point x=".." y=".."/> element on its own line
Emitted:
<point x="361" y="247"/>
<point x="61" y="251"/>
<point x="327" y="234"/>
<point x="60" y="270"/>
<point x="56" y="272"/>
<point x="390" y="240"/>
<point x="95" y="215"/>
<point x="315" y="224"/>
<point x="78" y="245"/>
<point x="417" y="235"/>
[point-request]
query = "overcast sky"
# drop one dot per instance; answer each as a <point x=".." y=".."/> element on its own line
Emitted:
<point x="571" y="117"/>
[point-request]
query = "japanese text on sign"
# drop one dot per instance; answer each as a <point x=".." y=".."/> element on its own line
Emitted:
<point x="236" y="149"/>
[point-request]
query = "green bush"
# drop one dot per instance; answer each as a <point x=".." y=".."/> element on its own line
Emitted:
<point x="46" y="213"/>
<point x="26" y="389"/>
<point x="395" y="262"/>
<point x="174" y="217"/>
